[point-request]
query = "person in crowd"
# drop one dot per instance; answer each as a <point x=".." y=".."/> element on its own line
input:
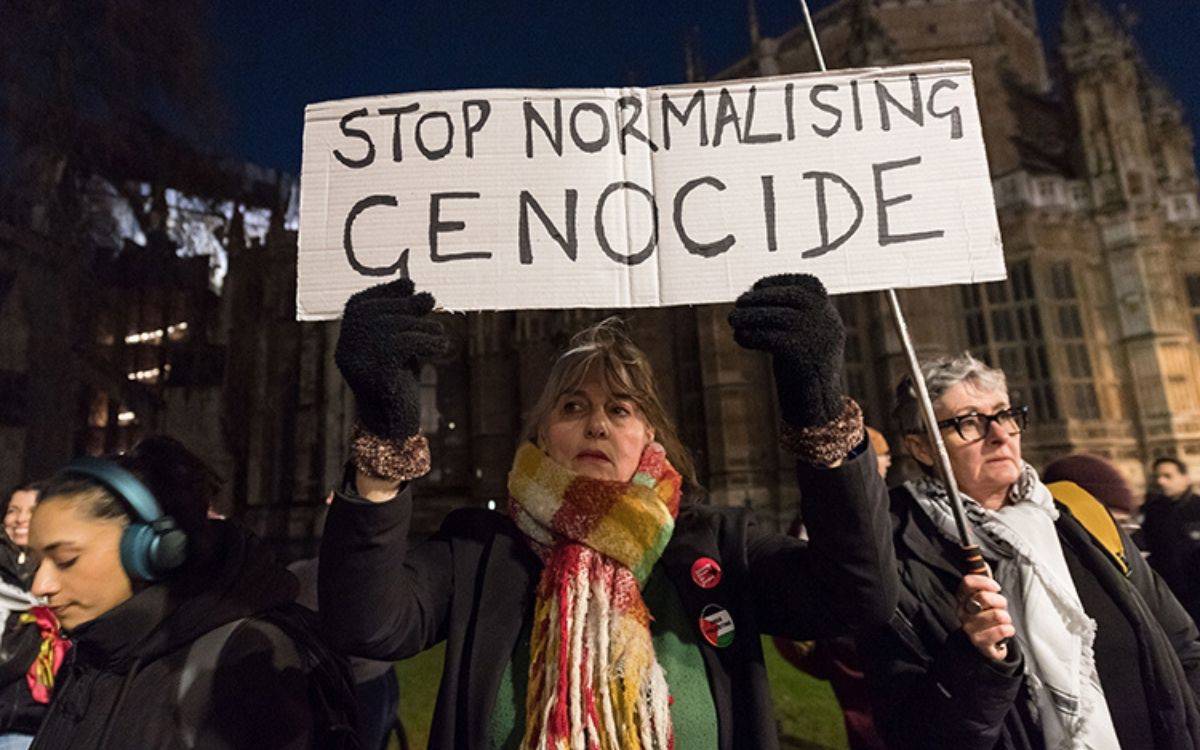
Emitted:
<point x="23" y="625"/>
<point x="1105" y="482"/>
<point x="1068" y="645"/>
<point x="182" y="630"/>
<point x="835" y="659"/>
<point x="1172" y="532"/>
<point x="16" y="567"/>
<point x="607" y="607"/>
<point x="883" y="451"/>
<point x="376" y="686"/>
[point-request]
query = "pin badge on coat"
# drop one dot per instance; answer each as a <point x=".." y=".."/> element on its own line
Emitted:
<point x="716" y="625"/>
<point x="706" y="572"/>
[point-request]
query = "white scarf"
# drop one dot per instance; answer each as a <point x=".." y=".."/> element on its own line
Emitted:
<point x="1055" y="633"/>
<point x="13" y="599"/>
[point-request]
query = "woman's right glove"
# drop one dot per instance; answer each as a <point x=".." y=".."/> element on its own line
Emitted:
<point x="386" y="337"/>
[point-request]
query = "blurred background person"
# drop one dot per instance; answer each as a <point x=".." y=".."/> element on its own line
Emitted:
<point x="1172" y="531"/>
<point x="1105" y="482"/>
<point x="15" y="565"/>
<point x="24" y="626"/>
<point x="883" y="451"/>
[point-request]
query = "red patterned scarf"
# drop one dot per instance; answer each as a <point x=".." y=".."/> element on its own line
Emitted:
<point x="594" y="682"/>
<point x="51" y="653"/>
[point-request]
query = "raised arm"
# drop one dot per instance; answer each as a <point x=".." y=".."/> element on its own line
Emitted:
<point x="845" y="576"/>
<point x="377" y="598"/>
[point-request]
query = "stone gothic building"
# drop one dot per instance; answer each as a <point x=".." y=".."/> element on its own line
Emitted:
<point x="1097" y="326"/>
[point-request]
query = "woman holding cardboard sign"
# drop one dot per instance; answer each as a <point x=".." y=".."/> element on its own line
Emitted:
<point x="605" y="608"/>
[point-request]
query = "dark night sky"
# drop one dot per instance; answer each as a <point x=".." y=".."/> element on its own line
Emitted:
<point x="275" y="57"/>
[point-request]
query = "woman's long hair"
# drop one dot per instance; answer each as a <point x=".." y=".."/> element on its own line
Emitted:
<point x="605" y="351"/>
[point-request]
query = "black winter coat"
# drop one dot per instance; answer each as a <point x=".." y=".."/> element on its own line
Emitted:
<point x="473" y="582"/>
<point x="931" y="689"/>
<point x="19" y="712"/>
<point x="120" y="684"/>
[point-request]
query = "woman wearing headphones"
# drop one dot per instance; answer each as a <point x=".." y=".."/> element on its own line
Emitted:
<point x="182" y="630"/>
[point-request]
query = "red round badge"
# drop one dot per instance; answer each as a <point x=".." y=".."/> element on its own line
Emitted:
<point x="706" y="572"/>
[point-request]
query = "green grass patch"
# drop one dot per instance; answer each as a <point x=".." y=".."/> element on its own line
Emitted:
<point x="807" y="712"/>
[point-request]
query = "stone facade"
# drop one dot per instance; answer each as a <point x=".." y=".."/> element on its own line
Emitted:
<point x="1096" y="187"/>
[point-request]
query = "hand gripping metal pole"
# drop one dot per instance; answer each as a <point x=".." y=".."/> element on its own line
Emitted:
<point x="972" y="559"/>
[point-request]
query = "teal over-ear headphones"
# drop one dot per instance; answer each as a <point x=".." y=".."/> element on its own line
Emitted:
<point x="152" y="545"/>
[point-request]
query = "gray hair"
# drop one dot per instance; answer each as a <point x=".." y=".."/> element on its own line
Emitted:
<point x="941" y="375"/>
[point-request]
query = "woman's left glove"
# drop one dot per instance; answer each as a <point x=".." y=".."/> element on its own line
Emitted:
<point x="792" y="317"/>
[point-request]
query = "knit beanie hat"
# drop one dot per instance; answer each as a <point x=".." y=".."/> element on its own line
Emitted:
<point x="1096" y="475"/>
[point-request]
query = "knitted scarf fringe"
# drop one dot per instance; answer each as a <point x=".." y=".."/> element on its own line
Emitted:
<point x="594" y="681"/>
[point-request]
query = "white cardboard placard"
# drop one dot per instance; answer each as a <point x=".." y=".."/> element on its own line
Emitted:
<point x="529" y="199"/>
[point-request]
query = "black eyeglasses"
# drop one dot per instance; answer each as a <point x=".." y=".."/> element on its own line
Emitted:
<point x="973" y="427"/>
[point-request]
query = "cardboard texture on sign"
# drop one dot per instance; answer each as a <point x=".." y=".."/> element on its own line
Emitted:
<point x="530" y="199"/>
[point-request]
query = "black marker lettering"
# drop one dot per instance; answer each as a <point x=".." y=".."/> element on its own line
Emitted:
<point x="600" y="142"/>
<point x="555" y="137"/>
<point x="668" y="108"/>
<point x="916" y="112"/>
<point x="828" y="245"/>
<point x="703" y="249"/>
<point x="629" y="127"/>
<point x="350" y="132"/>
<point x="726" y="113"/>
<point x="435" y="153"/>
<point x="348" y="244"/>
<point x="569" y="244"/>
<point x="768" y="190"/>
<point x="397" y="154"/>
<point x="437" y="226"/>
<point x="789" y="100"/>
<point x="882" y="204"/>
<point x="813" y="96"/>
<point x="953" y="113"/>
<point x="602" y="236"/>
<point x="751" y="137"/>
<point x="471" y="128"/>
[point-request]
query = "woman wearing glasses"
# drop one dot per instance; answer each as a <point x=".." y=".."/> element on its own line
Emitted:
<point x="1068" y="646"/>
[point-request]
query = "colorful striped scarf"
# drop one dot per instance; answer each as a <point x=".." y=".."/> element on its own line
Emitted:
<point x="594" y="682"/>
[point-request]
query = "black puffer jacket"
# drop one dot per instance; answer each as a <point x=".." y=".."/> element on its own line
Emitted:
<point x="19" y="712"/>
<point x="932" y="690"/>
<point x="16" y="566"/>
<point x="120" y="686"/>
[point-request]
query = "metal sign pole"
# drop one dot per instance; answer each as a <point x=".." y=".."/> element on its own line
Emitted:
<point x="973" y="560"/>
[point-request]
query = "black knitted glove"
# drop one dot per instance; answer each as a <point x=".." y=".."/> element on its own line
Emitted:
<point x="792" y="317"/>
<point x="385" y="339"/>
